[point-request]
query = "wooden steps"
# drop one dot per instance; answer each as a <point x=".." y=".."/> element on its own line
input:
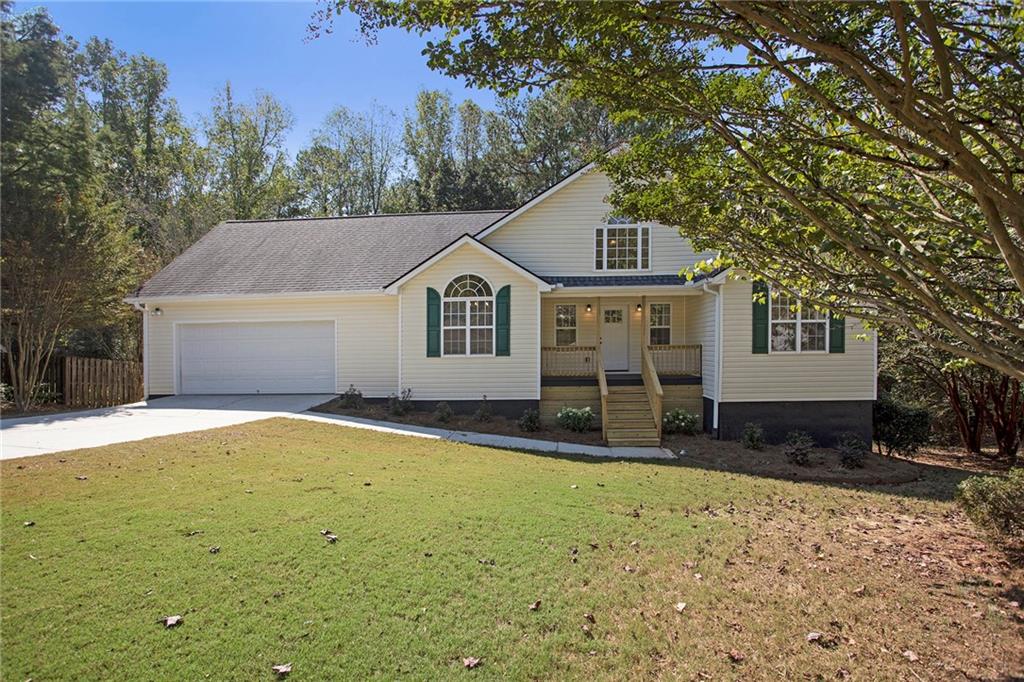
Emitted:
<point x="630" y="420"/>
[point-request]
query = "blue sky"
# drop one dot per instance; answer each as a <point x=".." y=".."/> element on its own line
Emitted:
<point x="262" y="45"/>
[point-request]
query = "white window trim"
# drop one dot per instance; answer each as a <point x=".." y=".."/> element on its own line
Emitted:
<point x="650" y="326"/>
<point x="575" y="327"/>
<point x="604" y="253"/>
<point x="798" y="321"/>
<point x="467" y="327"/>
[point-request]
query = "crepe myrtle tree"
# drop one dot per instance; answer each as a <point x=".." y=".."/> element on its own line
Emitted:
<point x="878" y="146"/>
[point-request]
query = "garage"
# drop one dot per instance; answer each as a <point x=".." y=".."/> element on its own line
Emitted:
<point x="256" y="357"/>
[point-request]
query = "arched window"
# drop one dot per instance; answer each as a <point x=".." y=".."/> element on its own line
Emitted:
<point x="468" y="320"/>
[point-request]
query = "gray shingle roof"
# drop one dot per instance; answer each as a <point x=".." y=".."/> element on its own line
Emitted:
<point x="311" y="254"/>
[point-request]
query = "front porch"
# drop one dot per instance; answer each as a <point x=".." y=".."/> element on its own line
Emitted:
<point x="627" y="358"/>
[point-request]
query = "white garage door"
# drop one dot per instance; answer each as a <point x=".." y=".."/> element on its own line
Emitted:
<point x="256" y="357"/>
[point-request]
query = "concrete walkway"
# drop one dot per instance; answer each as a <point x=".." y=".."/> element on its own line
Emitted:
<point x="26" y="436"/>
<point x="492" y="440"/>
<point x="161" y="417"/>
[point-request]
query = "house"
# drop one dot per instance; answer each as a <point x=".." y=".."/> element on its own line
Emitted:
<point x="558" y="302"/>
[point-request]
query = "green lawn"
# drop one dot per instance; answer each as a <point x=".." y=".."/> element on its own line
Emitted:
<point x="760" y="563"/>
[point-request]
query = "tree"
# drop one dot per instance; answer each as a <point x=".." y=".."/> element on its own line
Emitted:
<point x="247" y="145"/>
<point x="67" y="257"/>
<point x="428" y="143"/>
<point x="879" y="146"/>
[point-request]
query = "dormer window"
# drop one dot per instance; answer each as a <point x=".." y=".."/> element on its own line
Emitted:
<point x="621" y="244"/>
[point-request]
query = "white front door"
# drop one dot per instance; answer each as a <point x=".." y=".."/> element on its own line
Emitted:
<point x="615" y="339"/>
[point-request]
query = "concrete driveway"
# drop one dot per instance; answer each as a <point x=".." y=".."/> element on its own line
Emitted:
<point x="161" y="417"/>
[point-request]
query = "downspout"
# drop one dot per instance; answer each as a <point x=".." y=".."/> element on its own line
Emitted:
<point x="718" y="353"/>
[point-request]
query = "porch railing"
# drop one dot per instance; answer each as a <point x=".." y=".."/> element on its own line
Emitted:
<point x="568" y="361"/>
<point x="677" y="360"/>
<point x="655" y="394"/>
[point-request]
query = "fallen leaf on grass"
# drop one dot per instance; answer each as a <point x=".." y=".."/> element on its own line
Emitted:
<point x="860" y="590"/>
<point x="215" y="549"/>
<point x="589" y="617"/>
<point x="535" y="605"/>
<point x="171" y="621"/>
<point x="331" y="538"/>
<point x="680" y="606"/>
<point x="29" y="523"/>
<point x="470" y="662"/>
<point x="910" y="655"/>
<point x="586" y="630"/>
<point x="325" y="531"/>
<point x="628" y="569"/>
<point x="736" y="657"/>
<point x="282" y="670"/>
<point x="574" y="486"/>
<point x="486" y="562"/>
<point x="81" y="478"/>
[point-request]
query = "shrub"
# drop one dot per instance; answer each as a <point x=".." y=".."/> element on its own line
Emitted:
<point x="680" y="421"/>
<point x="443" y="412"/>
<point x="798" y="447"/>
<point x="352" y="399"/>
<point x="400" y="405"/>
<point x="575" y="419"/>
<point x="484" y="412"/>
<point x="996" y="504"/>
<point x="852" y="450"/>
<point x="753" y="436"/>
<point x="899" y="427"/>
<point x="530" y="421"/>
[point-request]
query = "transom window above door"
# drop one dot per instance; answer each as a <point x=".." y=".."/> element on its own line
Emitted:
<point x="622" y="245"/>
<point x="468" y="317"/>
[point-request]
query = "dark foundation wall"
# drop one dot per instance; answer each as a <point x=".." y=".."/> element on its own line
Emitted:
<point x="824" y="420"/>
<point x="512" y="409"/>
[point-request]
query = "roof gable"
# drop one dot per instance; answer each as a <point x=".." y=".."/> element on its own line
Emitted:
<point x="465" y="240"/>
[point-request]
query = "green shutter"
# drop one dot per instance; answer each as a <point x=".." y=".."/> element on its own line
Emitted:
<point x="836" y="334"/>
<point x="760" y="318"/>
<point x="502" y="317"/>
<point x="433" y="323"/>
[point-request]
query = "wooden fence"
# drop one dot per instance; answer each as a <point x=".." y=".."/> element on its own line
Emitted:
<point x="93" y="382"/>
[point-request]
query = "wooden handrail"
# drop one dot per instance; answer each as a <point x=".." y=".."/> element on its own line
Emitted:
<point x="602" y="384"/>
<point x="655" y="394"/>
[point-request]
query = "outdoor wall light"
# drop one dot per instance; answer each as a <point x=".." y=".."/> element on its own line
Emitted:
<point x="639" y="307"/>
<point x="158" y="312"/>
<point x="589" y="308"/>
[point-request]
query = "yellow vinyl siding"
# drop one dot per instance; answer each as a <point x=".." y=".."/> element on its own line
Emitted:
<point x="367" y="335"/>
<point x="790" y="376"/>
<point x="700" y="328"/>
<point x="468" y="378"/>
<point x="556" y="236"/>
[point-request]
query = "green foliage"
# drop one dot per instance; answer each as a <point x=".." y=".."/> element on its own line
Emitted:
<point x="852" y="450"/>
<point x="400" y="405"/>
<point x="900" y="428"/>
<point x="352" y="399"/>
<point x="443" y="412"/>
<point x="996" y="504"/>
<point x="530" y="420"/>
<point x="798" y="448"/>
<point x="578" y="419"/>
<point x="753" y="436"/>
<point x="483" y="413"/>
<point x="841" y="135"/>
<point x="681" y="421"/>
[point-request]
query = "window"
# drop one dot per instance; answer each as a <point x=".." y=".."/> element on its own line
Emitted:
<point x="621" y="246"/>
<point x="468" y="317"/>
<point x="661" y="324"/>
<point x="565" y="325"/>
<point x="794" y="330"/>
<point x="613" y="316"/>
